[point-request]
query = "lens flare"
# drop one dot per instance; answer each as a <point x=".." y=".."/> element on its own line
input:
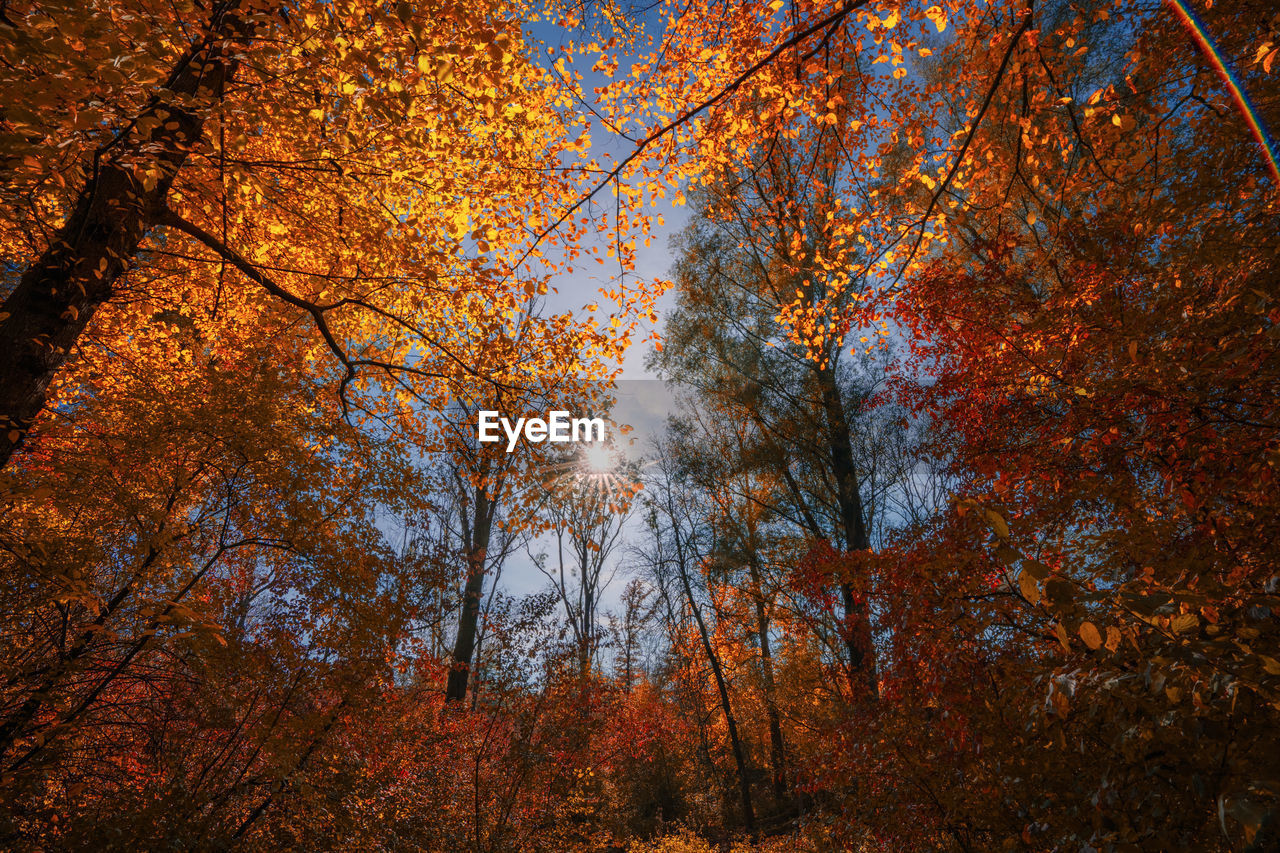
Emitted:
<point x="597" y="460"/>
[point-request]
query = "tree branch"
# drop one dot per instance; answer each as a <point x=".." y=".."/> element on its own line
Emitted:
<point x="828" y="23"/>
<point x="968" y="140"/>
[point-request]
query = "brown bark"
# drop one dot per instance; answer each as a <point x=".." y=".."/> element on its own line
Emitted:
<point x="477" y="552"/>
<point x="862" y="663"/>
<point x="123" y="197"/>
<point x="777" y="746"/>
<point x="722" y="687"/>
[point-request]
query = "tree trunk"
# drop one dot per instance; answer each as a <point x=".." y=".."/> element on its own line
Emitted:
<point x="586" y="648"/>
<point x="124" y="197"/>
<point x="777" y="747"/>
<point x="862" y="664"/>
<point x="735" y="742"/>
<point x="477" y="551"/>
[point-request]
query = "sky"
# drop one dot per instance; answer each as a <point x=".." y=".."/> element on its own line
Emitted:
<point x="653" y="261"/>
<point x="643" y="401"/>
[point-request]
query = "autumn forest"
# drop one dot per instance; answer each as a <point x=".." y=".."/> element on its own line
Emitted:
<point x="956" y="528"/>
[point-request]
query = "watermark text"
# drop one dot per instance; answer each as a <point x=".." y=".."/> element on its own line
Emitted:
<point x="559" y="426"/>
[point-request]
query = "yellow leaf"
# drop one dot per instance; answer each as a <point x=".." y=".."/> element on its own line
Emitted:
<point x="1061" y="633"/>
<point x="998" y="524"/>
<point x="938" y="15"/>
<point x="1030" y="589"/>
<point x="1089" y="633"/>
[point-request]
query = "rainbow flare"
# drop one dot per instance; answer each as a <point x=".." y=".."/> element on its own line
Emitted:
<point x="1198" y="32"/>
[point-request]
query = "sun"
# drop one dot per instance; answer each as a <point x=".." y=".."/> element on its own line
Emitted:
<point x="597" y="461"/>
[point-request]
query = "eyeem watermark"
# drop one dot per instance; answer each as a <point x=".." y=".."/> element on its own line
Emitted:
<point x="558" y="427"/>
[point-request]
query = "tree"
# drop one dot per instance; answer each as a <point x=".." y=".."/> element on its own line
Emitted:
<point x="629" y="631"/>
<point x="587" y="513"/>
<point x="678" y="548"/>
<point x="738" y="266"/>
<point x="478" y="481"/>
<point x="964" y="535"/>
<point x="348" y="164"/>
<point x="198" y="592"/>
<point x="1073" y="331"/>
